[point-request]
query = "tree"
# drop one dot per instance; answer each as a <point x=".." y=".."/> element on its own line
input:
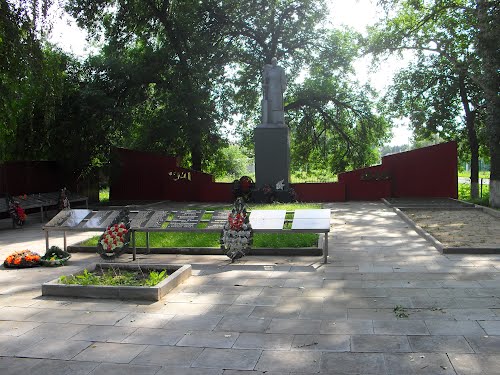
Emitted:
<point x="446" y="36"/>
<point x="166" y="61"/>
<point x="333" y="119"/>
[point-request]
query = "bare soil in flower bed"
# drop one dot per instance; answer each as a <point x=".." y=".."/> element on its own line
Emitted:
<point x="468" y="228"/>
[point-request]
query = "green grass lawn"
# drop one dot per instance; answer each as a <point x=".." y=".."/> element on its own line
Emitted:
<point x="482" y="174"/>
<point x="464" y="194"/>
<point x="261" y="240"/>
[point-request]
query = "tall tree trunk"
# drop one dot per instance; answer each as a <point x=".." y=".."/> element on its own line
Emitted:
<point x="488" y="37"/>
<point x="470" y="123"/>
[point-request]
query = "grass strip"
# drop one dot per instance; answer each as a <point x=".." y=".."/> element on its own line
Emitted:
<point x="193" y="239"/>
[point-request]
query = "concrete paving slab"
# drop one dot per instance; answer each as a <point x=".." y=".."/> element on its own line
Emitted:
<point x="341" y="326"/>
<point x="379" y="344"/>
<point x="103" y="333"/>
<point x="99" y="318"/>
<point x="144" y="320"/>
<point x="16" y="328"/>
<point x="326" y="343"/>
<point x="57" y="315"/>
<point x="353" y="363"/>
<point x="294" y="326"/>
<point x="281" y="311"/>
<point x="110" y="352"/>
<point x="463" y="327"/>
<point x="400" y="327"/>
<point x="475" y="364"/>
<point x="204" y="339"/>
<point x="418" y="363"/>
<point x="54" y="349"/>
<point x="236" y="359"/>
<point x="440" y="344"/>
<point x="190" y="323"/>
<point x="269" y="341"/>
<point x="167" y="356"/>
<point x="484" y="344"/>
<point x="154" y="336"/>
<point x="235" y="323"/>
<point x="289" y="361"/>
<point x="124" y="369"/>
<point x="61" y="367"/>
<point x="54" y="331"/>
<point x="491" y="327"/>
<point x="12" y="345"/>
<point x="169" y="370"/>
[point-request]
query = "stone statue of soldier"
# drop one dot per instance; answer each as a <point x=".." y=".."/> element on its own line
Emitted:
<point x="273" y="86"/>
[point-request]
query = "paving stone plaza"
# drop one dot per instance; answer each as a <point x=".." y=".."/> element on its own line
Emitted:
<point x="386" y="303"/>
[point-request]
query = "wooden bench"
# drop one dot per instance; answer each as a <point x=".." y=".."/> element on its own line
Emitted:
<point x="42" y="201"/>
<point x="262" y="221"/>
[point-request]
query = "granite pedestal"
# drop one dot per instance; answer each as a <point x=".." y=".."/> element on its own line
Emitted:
<point x="272" y="156"/>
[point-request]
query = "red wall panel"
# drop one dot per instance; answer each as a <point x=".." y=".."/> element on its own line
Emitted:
<point x="320" y="192"/>
<point x="426" y="172"/>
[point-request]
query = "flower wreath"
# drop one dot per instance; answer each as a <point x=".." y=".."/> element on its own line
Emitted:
<point x="16" y="212"/>
<point x="237" y="234"/>
<point x="22" y="259"/>
<point x="116" y="238"/>
<point x="55" y="257"/>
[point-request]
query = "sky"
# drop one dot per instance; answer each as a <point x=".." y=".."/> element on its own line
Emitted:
<point x="356" y="14"/>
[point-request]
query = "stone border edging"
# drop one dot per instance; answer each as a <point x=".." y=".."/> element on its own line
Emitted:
<point x="285" y="251"/>
<point x="153" y="293"/>
<point x="434" y="241"/>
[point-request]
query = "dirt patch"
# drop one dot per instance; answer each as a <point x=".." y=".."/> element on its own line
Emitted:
<point x="471" y="228"/>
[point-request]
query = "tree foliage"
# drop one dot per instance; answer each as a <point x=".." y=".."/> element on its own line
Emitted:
<point x="333" y="119"/>
<point x="169" y="75"/>
<point x="448" y="79"/>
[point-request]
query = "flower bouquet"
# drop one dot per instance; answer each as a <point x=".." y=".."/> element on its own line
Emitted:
<point x="22" y="259"/>
<point x="115" y="239"/>
<point x="55" y="257"/>
<point x="16" y="212"/>
<point x="237" y="234"/>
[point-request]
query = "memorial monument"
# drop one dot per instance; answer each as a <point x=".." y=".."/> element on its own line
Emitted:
<point x="271" y="137"/>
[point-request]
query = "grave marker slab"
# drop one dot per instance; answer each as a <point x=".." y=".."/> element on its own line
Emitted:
<point x="58" y="219"/>
<point x="157" y="219"/>
<point x="312" y="214"/>
<point x="186" y="219"/>
<point x="75" y="217"/>
<point x="140" y="219"/>
<point x="218" y="219"/>
<point x="98" y="219"/>
<point x="267" y="219"/>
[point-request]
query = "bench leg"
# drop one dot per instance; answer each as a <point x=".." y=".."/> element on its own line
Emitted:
<point x="46" y="241"/>
<point x="147" y="242"/>
<point x="325" y="249"/>
<point x="65" y="247"/>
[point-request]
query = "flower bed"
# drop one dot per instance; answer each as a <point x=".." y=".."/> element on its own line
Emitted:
<point x="177" y="275"/>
